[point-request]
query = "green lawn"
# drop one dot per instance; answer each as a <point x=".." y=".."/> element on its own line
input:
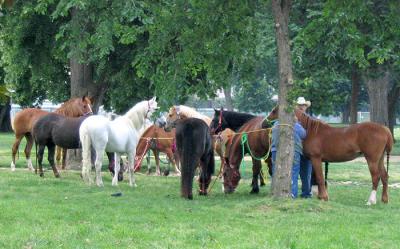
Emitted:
<point x="65" y="213"/>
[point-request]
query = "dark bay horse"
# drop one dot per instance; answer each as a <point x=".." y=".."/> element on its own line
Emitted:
<point x="254" y="132"/>
<point x="331" y="144"/>
<point x="194" y="146"/>
<point x="25" y="119"/>
<point x="55" y="129"/>
<point x="157" y="140"/>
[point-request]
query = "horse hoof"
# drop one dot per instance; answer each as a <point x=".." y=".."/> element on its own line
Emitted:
<point x="323" y="198"/>
<point x="262" y="184"/>
<point x="385" y="200"/>
<point x="41" y="175"/>
<point x="202" y="193"/>
<point x="57" y="175"/>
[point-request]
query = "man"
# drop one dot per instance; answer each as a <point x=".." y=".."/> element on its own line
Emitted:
<point x="305" y="163"/>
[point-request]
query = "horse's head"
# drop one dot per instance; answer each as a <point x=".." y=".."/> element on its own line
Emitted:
<point x="273" y="115"/>
<point x="151" y="107"/>
<point x="231" y="178"/>
<point x="76" y="107"/>
<point x="173" y="116"/>
<point x="218" y="122"/>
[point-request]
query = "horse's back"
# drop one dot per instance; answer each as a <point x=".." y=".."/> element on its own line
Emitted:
<point x="24" y="120"/>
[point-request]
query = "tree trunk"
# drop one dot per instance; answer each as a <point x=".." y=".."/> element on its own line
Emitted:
<point x="392" y="108"/>
<point x="5" y="117"/>
<point x="346" y="113"/>
<point x="378" y="89"/>
<point x="228" y="98"/>
<point x="281" y="181"/>
<point x="355" y="90"/>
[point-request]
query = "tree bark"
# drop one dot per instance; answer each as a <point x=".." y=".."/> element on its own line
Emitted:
<point x="378" y="89"/>
<point x="5" y="117"/>
<point x="228" y="98"/>
<point x="281" y="181"/>
<point x="392" y="108"/>
<point x="355" y="90"/>
<point x="346" y="113"/>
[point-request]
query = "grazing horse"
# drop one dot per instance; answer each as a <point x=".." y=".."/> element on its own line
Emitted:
<point x="332" y="144"/>
<point x="252" y="137"/>
<point x="194" y="145"/>
<point x="157" y="140"/>
<point x="25" y="119"/>
<point x="120" y="135"/>
<point x="219" y="142"/>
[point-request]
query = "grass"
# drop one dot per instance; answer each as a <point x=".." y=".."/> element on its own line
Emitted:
<point x="65" y="213"/>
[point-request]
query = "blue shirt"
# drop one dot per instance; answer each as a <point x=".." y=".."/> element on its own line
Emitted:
<point x="299" y="134"/>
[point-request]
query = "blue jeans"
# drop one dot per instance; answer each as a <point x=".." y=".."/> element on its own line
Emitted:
<point x="305" y="176"/>
<point x="295" y="172"/>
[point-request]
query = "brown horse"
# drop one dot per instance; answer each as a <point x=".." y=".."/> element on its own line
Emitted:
<point x="25" y="120"/>
<point x="252" y="138"/>
<point x="157" y="140"/>
<point x="332" y="144"/>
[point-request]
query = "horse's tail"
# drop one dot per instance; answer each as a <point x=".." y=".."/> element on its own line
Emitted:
<point x="186" y="142"/>
<point x="86" y="142"/>
<point x="388" y="147"/>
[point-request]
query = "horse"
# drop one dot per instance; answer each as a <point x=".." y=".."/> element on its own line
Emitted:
<point x="253" y="134"/>
<point x="55" y="129"/>
<point x="340" y="144"/>
<point x="157" y="140"/>
<point x="25" y="119"/>
<point x="120" y="135"/>
<point x="194" y="145"/>
<point x="219" y="141"/>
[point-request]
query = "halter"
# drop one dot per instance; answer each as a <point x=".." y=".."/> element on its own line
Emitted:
<point x="90" y="112"/>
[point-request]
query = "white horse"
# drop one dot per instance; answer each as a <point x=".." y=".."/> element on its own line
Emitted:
<point x="120" y="136"/>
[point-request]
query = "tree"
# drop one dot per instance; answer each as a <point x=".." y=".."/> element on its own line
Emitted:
<point x="281" y="180"/>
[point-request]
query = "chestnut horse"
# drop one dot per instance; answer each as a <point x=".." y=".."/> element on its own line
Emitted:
<point x="157" y="140"/>
<point x="326" y="143"/>
<point x="252" y="138"/>
<point x="25" y="119"/>
<point x="194" y="145"/>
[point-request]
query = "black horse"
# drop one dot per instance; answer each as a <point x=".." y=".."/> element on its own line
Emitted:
<point x="54" y="129"/>
<point x="235" y="120"/>
<point x="194" y="145"/>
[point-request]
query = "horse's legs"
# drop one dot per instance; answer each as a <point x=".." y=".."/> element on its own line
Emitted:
<point x="256" y="173"/>
<point x="131" y="157"/>
<point x="157" y="158"/>
<point x="205" y="176"/>
<point x="172" y="160"/>
<point x="384" y="179"/>
<point x="317" y="167"/>
<point x="51" y="149"/>
<point x="40" y="159"/>
<point x="58" y="155"/>
<point x="28" y="149"/>
<point x="97" y="164"/>
<point x="18" y="139"/>
<point x="117" y="158"/>
<point x="64" y="158"/>
<point x="375" y="176"/>
<point x="148" y="162"/>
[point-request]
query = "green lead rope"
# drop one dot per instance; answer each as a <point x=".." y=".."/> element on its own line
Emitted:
<point x="245" y="142"/>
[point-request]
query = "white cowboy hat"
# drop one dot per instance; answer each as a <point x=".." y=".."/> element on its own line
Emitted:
<point x="302" y="101"/>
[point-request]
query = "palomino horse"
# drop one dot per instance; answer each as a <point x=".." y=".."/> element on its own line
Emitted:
<point x="219" y="142"/>
<point x="332" y="144"/>
<point x="120" y="136"/>
<point x="194" y="145"/>
<point x="25" y="119"/>
<point x="251" y="138"/>
<point x="157" y="140"/>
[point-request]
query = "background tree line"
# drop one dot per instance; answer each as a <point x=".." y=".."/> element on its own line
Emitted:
<point x="120" y="52"/>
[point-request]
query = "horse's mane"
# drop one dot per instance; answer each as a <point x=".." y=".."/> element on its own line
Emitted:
<point x="237" y="119"/>
<point x="137" y="114"/>
<point x="190" y="112"/>
<point x="68" y="108"/>
<point x="309" y="123"/>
